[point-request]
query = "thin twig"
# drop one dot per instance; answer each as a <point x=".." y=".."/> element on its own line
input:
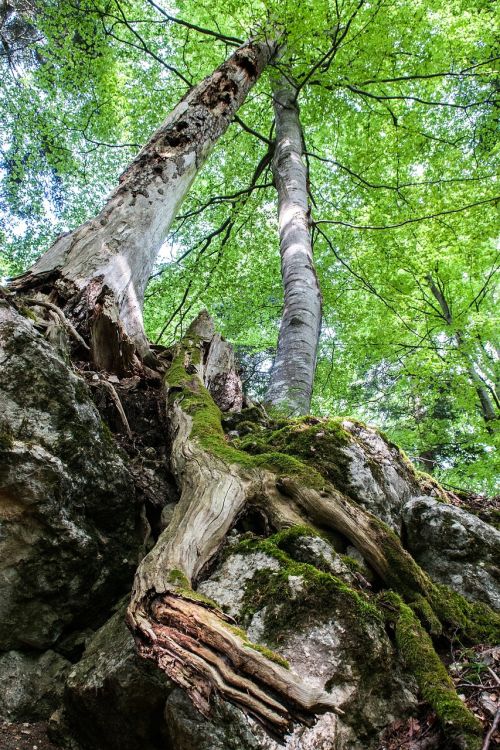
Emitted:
<point x="62" y="317"/>
<point x="494" y="675"/>
<point x="119" y="408"/>
<point x="492" y="731"/>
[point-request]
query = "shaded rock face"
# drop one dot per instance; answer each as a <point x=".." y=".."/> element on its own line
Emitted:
<point x="68" y="542"/>
<point x="114" y="700"/>
<point x="31" y="684"/>
<point x="229" y="728"/>
<point x="455" y="548"/>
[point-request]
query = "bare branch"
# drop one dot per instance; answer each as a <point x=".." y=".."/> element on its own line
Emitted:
<point x="408" y="221"/>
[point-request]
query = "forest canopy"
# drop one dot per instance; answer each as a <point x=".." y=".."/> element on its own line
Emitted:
<point x="397" y="105"/>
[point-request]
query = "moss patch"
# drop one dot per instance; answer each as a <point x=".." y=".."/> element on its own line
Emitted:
<point x="322" y="594"/>
<point x="434" y="683"/>
<point x="207" y="425"/>
<point x="271" y="655"/>
<point x="6" y="437"/>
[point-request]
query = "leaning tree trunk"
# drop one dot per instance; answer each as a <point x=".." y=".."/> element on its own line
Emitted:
<point x="487" y="408"/>
<point x="188" y="636"/>
<point x="293" y="370"/>
<point x="98" y="272"/>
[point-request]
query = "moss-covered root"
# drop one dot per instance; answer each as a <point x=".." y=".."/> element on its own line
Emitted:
<point x="436" y="686"/>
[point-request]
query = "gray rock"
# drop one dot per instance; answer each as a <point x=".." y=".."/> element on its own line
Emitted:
<point x="332" y="647"/>
<point x="32" y="685"/>
<point x="114" y="700"/>
<point x="228" y="728"/>
<point x="377" y="476"/>
<point x="455" y="548"/>
<point x="318" y="552"/>
<point x="226" y="585"/>
<point x="67" y="507"/>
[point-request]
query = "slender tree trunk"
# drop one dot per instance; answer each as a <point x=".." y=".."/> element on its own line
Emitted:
<point x="487" y="407"/>
<point x="101" y="269"/>
<point x="292" y="375"/>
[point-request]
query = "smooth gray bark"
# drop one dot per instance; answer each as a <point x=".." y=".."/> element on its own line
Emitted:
<point x="101" y="269"/>
<point x="293" y="370"/>
<point x="487" y="407"/>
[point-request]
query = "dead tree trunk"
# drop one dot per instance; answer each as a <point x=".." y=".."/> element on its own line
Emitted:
<point x="293" y="370"/>
<point x="98" y="272"/>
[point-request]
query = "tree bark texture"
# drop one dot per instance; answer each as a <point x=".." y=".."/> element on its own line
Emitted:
<point x="101" y="269"/>
<point x="292" y="374"/>
<point x="486" y="404"/>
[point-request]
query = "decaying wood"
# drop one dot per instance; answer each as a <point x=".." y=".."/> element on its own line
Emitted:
<point x="118" y="404"/>
<point x="192" y="640"/>
<point x="188" y="636"/>
<point x="33" y="301"/>
<point x="98" y="272"/>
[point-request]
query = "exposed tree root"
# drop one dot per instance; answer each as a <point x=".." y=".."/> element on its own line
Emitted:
<point x="192" y="640"/>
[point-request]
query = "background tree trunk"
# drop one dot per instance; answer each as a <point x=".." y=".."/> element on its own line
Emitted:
<point x="487" y="408"/>
<point x="293" y="370"/>
<point x="99" y="271"/>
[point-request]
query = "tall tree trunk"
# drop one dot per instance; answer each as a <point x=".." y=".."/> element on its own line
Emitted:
<point x="101" y="269"/>
<point x="292" y="374"/>
<point x="487" y="407"/>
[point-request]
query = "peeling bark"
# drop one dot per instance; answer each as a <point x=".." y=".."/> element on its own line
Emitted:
<point x="293" y="370"/>
<point x="98" y="272"/>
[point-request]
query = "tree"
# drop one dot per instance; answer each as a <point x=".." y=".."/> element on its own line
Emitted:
<point x="293" y="370"/>
<point x="298" y="477"/>
<point x="102" y="268"/>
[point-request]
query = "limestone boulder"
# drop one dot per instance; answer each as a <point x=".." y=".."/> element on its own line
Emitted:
<point x="113" y="699"/>
<point x="455" y="547"/>
<point x="32" y="684"/>
<point x="68" y="541"/>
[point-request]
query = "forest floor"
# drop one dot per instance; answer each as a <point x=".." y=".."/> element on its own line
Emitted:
<point x="25" y="736"/>
<point x="476" y="674"/>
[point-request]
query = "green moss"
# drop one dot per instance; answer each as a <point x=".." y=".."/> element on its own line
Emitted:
<point x="321" y="597"/>
<point x="6" y="437"/>
<point x="352" y="563"/>
<point x="403" y="574"/>
<point x="474" y="621"/>
<point x="271" y="655"/>
<point x="183" y="587"/>
<point x="106" y="433"/>
<point x="429" y="484"/>
<point x="434" y="683"/>
<point x="207" y="426"/>
<point x="427" y="616"/>
<point x="178" y="578"/>
<point x="27" y="312"/>
<point x="189" y="593"/>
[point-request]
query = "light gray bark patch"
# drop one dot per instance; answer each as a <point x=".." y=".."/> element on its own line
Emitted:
<point x="121" y="244"/>
<point x="293" y="370"/>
